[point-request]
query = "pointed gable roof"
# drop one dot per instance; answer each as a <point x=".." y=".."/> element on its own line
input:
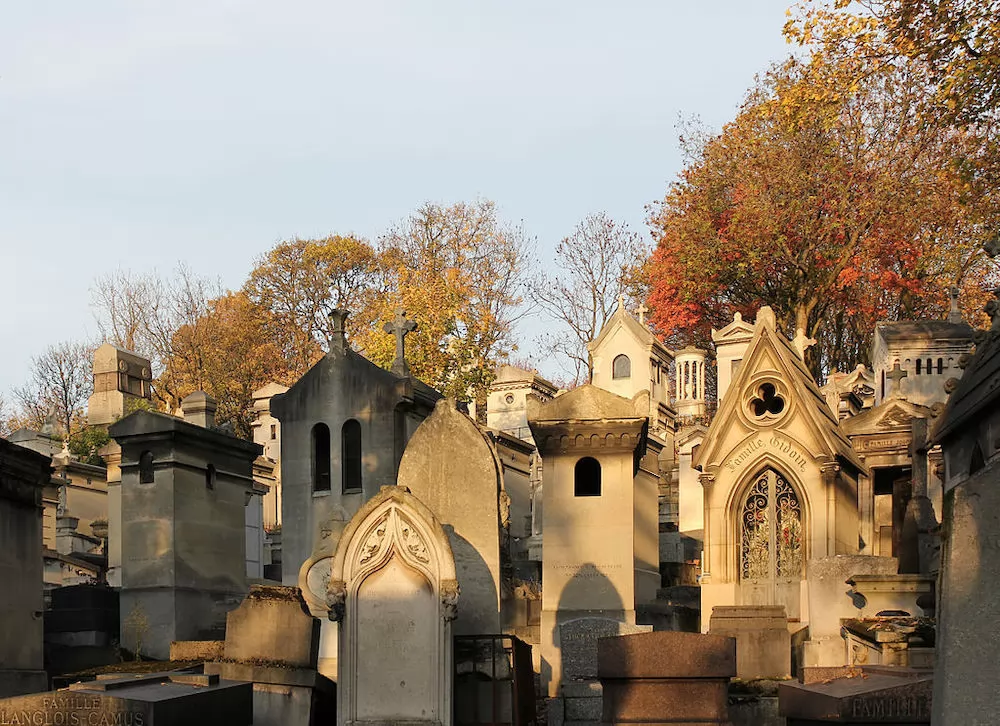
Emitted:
<point x="583" y="403"/>
<point x="893" y="413"/>
<point x="768" y="346"/>
<point x="738" y="331"/>
<point x="621" y="318"/>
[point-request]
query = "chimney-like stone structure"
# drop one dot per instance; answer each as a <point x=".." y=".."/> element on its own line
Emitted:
<point x="199" y="409"/>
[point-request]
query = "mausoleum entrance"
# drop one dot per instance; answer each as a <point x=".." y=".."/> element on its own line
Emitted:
<point x="771" y="537"/>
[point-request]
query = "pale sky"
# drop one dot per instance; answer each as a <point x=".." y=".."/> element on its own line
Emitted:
<point x="138" y="134"/>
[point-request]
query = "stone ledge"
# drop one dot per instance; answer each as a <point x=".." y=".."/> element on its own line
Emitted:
<point x="272" y="675"/>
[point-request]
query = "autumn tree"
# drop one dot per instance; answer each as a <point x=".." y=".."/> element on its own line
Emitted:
<point x="826" y="199"/>
<point x="956" y="41"/>
<point x="60" y="382"/>
<point x="299" y="281"/>
<point x="594" y="265"/>
<point x="230" y="357"/>
<point x="458" y="270"/>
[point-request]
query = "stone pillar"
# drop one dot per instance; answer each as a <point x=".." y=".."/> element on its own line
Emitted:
<point x="112" y="455"/>
<point x="866" y="512"/>
<point x="920" y="545"/>
<point x="199" y="409"/>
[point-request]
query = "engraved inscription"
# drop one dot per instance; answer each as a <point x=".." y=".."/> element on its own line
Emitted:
<point x="890" y="708"/>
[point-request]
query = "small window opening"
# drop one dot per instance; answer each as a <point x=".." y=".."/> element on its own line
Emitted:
<point x="978" y="461"/>
<point x="940" y="366"/>
<point x="918" y="366"/>
<point x="351" y="453"/>
<point x="321" y="457"/>
<point x="274" y="431"/>
<point x="930" y="366"/>
<point x="210" y="476"/>
<point x="621" y="367"/>
<point x="146" y="467"/>
<point x="587" y="478"/>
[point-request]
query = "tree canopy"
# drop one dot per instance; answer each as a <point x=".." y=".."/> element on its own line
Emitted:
<point x="828" y="198"/>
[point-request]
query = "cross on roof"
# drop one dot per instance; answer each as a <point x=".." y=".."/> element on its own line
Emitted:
<point x="621" y="301"/>
<point x="801" y="342"/>
<point x="399" y="326"/>
<point x="896" y="375"/>
<point x="641" y="312"/>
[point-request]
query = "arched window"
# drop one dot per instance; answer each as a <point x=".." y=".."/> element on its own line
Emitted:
<point x="621" y="367"/>
<point x="350" y="451"/>
<point x="919" y="362"/>
<point x="771" y="531"/>
<point x="940" y="366"/>
<point x="930" y="366"/>
<point x="210" y="476"/>
<point x="321" y="457"/>
<point x="587" y="477"/>
<point x="146" y="467"/>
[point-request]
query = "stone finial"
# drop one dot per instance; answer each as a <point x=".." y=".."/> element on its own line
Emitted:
<point x="954" y="313"/>
<point x="765" y="317"/>
<point x="400" y="326"/>
<point x="199" y="409"/>
<point x="896" y="376"/>
<point x="621" y="301"/>
<point x="338" y="332"/>
<point x="802" y="342"/>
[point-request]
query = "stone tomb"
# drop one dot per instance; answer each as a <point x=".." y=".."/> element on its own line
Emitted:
<point x="464" y="493"/>
<point x="273" y="641"/>
<point x="872" y="696"/>
<point x="666" y="677"/>
<point x="968" y="641"/>
<point x="763" y="641"/>
<point x="161" y="699"/>
<point x="392" y="587"/>
<point x="23" y="474"/>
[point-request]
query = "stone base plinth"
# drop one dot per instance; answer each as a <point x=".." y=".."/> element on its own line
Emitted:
<point x="284" y="696"/>
<point x="666" y="678"/>
<point x="763" y="642"/>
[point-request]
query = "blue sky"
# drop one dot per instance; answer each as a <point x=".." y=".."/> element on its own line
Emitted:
<point x="138" y="134"/>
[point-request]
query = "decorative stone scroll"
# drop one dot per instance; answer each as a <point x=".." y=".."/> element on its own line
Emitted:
<point x="392" y="587"/>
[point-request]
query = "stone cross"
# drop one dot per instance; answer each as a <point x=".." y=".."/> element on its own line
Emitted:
<point x="896" y="375"/>
<point x="621" y="301"/>
<point x="801" y="342"/>
<point x="641" y="312"/>
<point x="400" y="326"/>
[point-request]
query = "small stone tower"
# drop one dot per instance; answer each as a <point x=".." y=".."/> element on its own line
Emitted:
<point x="690" y="375"/>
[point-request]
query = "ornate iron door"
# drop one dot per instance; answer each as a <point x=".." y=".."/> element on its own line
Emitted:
<point x="771" y="541"/>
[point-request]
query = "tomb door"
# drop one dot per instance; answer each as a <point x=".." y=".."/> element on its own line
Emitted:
<point x="771" y="541"/>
